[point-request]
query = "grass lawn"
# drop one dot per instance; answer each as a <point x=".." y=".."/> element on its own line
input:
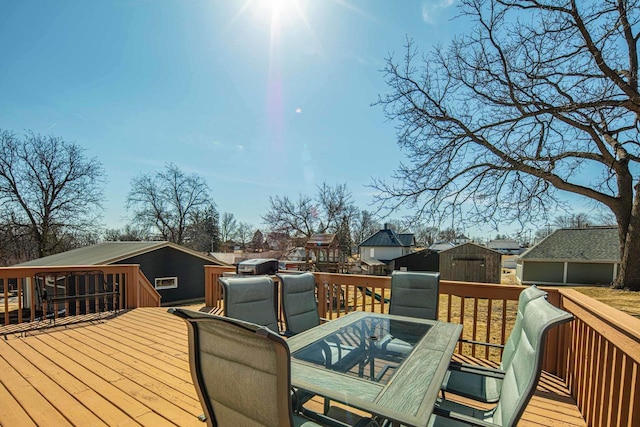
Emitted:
<point x="626" y="301"/>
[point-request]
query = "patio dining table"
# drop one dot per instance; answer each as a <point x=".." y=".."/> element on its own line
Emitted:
<point x="398" y="386"/>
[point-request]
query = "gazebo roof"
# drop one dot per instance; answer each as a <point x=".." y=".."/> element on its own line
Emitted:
<point x="322" y="241"/>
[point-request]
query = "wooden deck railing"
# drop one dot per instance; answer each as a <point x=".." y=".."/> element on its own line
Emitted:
<point x="598" y="354"/>
<point x="22" y="291"/>
<point x="487" y="311"/>
<point x="602" y="361"/>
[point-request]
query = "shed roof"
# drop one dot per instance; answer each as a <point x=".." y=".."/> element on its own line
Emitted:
<point x="107" y="253"/>
<point x="584" y="244"/>
<point x="441" y="246"/>
<point x="423" y="253"/>
<point x="476" y="246"/>
<point x="388" y="237"/>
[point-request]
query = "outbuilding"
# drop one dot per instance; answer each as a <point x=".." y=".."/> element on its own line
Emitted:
<point x="176" y="272"/>
<point x="470" y="262"/>
<point x="572" y="256"/>
<point x="424" y="260"/>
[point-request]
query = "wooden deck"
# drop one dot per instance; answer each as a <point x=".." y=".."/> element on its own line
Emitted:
<point x="133" y="370"/>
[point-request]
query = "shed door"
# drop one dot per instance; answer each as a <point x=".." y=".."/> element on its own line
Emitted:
<point x="469" y="270"/>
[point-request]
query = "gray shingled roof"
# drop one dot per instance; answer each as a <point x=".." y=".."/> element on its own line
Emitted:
<point x="406" y="239"/>
<point x="388" y="237"/>
<point x="104" y="253"/>
<point x="584" y="244"/>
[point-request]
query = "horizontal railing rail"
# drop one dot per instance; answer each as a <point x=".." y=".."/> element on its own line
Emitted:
<point x="30" y="294"/>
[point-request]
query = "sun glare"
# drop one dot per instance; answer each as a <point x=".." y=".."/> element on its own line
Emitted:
<point x="277" y="12"/>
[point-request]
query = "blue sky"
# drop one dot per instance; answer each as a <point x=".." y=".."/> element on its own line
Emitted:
<point x="260" y="97"/>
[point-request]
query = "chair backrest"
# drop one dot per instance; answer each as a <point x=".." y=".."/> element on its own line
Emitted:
<point x="298" y="298"/>
<point x="241" y="371"/>
<point x="527" y="295"/>
<point x="525" y="368"/>
<point x="415" y="294"/>
<point x="250" y="298"/>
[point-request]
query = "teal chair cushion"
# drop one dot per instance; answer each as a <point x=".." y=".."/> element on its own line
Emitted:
<point x="298" y="295"/>
<point x="415" y="294"/>
<point x="250" y="298"/>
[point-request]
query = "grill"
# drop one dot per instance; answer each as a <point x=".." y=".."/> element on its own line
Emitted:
<point x="257" y="266"/>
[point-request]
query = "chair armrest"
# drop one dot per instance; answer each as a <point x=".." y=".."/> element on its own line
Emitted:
<point x="486" y="344"/>
<point x="457" y="416"/>
<point x="477" y="369"/>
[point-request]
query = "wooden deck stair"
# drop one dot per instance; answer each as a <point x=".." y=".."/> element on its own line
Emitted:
<point x="133" y="370"/>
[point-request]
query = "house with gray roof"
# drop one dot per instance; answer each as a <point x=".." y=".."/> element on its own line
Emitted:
<point x="383" y="247"/>
<point x="505" y="246"/>
<point x="572" y="256"/>
<point x="176" y="272"/>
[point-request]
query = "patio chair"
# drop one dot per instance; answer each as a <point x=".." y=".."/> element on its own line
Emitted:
<point x="250" y="298"/>
<point x="413" y="294"/>
<point x="242" y="373"/>
<point x="483" y="383"/>
<point x="300" y="307"/>
<point x="520" y="378"/>
<point x="299" y="304"/>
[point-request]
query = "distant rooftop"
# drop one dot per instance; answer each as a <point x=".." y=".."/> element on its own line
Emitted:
<point x="388" y="237"/>
<point x="589" y="244"/>
<point x="105" y="253"/>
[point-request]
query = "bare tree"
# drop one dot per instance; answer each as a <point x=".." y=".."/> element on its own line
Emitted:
<point x="50" y="192"/>
<point x="128" y="233"/>
<point x="425" y="235"/>
<point x="578" y="220"/>
<point x="447" y="235"/>
<point x="165" y="202"/>
<point x="290" y="218"/>
<point x="335" y="205"/>
<point x="228" y="227"/>
<point x="203" y="230"/>
<point x="540" y="98"/>
<point x="364" y="226"/>
<point x="306" y="216"/>
<point x="244" y="234"/>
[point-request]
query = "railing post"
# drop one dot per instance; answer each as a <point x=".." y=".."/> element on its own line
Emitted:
<point x="321" y="292"/>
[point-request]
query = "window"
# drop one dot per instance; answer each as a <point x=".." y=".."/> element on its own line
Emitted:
<point x="166" y="282"/>
<point x="372" y="252"/>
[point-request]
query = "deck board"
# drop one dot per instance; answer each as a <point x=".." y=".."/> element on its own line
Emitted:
<point x="133" y="369"/>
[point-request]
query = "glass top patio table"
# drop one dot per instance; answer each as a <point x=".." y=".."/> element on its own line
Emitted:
<point x="378" y="344"/>
<point x="397" y="380"/>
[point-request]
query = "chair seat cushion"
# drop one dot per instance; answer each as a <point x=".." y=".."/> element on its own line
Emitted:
<point x="474" y="386"/>
<point x="447" y="405"/>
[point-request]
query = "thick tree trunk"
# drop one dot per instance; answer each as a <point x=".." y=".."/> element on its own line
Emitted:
<point x="629" y="274"/>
